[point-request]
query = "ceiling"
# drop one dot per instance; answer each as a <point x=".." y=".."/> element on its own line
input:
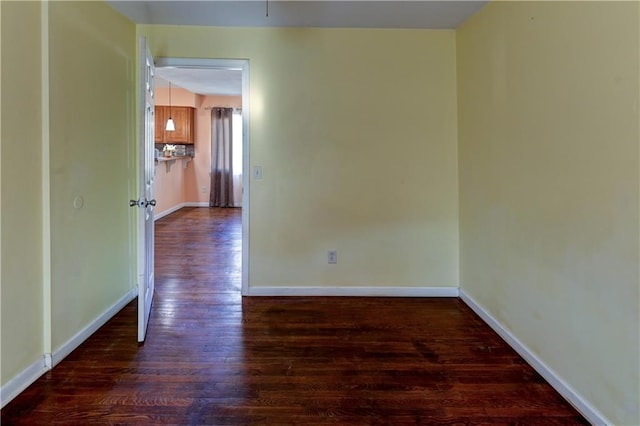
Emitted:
<point x="426" y="14"/>
<point x="306" y="13"/>
<point x="202" y="81"/>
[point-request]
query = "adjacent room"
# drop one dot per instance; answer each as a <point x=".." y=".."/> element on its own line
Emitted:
<point x="205" y="106"/>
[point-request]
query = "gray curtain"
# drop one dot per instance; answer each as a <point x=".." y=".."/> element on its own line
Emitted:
<point x="221" y="158"/>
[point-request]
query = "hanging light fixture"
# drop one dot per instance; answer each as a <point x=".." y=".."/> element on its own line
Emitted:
<point x="171" y="126"/>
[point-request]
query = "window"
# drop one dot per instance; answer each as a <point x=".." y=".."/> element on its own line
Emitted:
<point x="237" y="142"/>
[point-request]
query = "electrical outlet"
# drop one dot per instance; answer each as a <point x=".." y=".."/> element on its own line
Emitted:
<point x="332" y="257"/>
<point x="203" y="189"/>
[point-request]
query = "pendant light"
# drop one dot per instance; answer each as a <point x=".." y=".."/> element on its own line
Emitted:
<point x="170" y="127"/>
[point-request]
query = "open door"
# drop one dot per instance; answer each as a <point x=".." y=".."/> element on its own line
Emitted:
<point x="145" y="202"/>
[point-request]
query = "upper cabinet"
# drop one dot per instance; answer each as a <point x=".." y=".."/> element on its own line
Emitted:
<point x="183" y="117"/>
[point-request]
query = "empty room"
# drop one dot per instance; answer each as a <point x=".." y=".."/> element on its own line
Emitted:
<point x="440" y="218"/>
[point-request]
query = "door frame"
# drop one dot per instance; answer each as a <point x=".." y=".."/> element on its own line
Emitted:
<point x="241" y="65"/>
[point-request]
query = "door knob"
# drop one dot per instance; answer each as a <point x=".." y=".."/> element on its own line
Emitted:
<point x="142" y="202"/>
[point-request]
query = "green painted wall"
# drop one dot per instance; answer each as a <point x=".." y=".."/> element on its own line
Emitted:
<point x="549" y="186"/>
<point x="21" y="286"/>
<point x="90" y="83"/>
<point x="356" y="132"/>
<point x="92" y="111"/>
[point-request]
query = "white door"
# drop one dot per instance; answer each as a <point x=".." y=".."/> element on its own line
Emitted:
<point x="146" y="201"/>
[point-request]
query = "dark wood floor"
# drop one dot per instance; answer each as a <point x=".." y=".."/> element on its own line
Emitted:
<point x="214" y="358"/>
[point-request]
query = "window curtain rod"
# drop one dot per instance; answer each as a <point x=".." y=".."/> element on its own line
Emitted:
<point x="233" y="108"/>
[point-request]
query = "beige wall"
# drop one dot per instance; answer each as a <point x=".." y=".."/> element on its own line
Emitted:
<point x="21" y="291"/>
<point x="92" y="50"/>
<point x="549" y="187"/>
<point x="356" y="134"/>
<point x="179" y="97"/>
<point x="169" y="188"/>
<point x="169" y="184"/>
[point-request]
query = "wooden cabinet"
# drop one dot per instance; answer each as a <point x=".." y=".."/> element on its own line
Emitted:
<point x="161" y="122"/>
<point x="184" y="119"/>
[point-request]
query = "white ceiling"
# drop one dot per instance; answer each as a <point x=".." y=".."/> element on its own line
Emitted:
<point x="202" y="81"/>
<point x="306" y="13"/>
<point x="443" y="14"/>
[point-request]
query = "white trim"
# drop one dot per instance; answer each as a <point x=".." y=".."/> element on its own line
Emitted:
<point x="593" y="415"/>
<point x="356" y="291"/>
<point x="45" y="181"/>
<point x="144" y="228"/>
<point x="246" y="165"/>
<point x="48" y="361"/>
<point x="33" y="372"/>
<point x="180" y="206"/>
<point x="225" y="64"/>
<point x="168" y="211"/>
<point x="68" y="347"/>
<point x="22" y="380"/>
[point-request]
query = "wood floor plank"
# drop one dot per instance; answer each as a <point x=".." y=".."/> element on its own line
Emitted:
<point x="215" y="358"/>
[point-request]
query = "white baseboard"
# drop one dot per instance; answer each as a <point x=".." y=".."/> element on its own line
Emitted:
<point x="179" y="206"/>
<point x="68" y="347"/>
<point x="20" y="382"/>
<point x="168" y="211"/>
<point x="574" y="398"/>
<point x="47" y="361"/>
<point x="355" y="291"/>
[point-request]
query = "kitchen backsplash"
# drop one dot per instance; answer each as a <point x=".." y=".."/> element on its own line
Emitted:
<point x="180" y="151"/>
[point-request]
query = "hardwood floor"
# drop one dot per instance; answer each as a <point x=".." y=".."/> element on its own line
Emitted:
<point x="214" y="358"/>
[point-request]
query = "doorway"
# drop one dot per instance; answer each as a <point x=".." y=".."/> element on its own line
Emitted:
<point x="227" y="70"/>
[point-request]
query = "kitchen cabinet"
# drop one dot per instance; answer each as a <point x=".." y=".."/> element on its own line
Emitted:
<point x="184" y="119"/>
